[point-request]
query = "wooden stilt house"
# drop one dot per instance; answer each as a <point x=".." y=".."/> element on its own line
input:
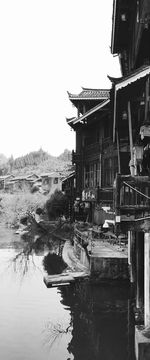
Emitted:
<point x="95" y="156"/>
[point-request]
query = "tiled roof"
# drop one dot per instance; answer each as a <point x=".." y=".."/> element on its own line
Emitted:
<point x="18" y="178"/>
<point x="51" y="175"/>
<point x="90" y="94"/>
<point x="3" y="177"/>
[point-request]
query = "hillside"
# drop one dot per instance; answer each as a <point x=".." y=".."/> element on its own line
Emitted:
<point x="38" y="162"/>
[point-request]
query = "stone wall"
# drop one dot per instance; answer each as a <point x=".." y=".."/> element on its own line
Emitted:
<point x="109" y="268"/>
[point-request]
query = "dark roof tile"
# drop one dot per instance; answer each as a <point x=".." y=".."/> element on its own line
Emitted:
<point x="87" y="94"/>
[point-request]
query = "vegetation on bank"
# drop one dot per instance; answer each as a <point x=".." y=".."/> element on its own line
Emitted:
<point x="14" y="206"/>
<point x="22" y="211"/>
<point x="26" y="208"/>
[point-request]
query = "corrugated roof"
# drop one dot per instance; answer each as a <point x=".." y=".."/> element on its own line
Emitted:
<point x="131" y="77"/>
<point x="126" y="81"/>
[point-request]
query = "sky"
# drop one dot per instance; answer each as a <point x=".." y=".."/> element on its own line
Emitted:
<point x="49" y="47"/>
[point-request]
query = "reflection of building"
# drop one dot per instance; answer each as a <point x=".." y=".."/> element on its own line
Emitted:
<point x="101" y="325"/>
<point x="131" y="121"/>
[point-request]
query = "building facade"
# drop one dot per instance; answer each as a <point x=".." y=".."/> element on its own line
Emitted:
<point x="131" y="116"/>
<point x="95" y="157"/>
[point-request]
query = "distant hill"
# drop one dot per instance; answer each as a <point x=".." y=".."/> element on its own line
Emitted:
<point x="37" y="162"/>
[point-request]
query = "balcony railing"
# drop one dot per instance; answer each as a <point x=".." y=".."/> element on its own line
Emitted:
<point x="92" y="179"/>
<point x="132" y="192"/>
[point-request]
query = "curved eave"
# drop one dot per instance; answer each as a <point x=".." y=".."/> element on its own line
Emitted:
<point x="133" y="77"/>
<point x="88" y="98"/>
<point x="80" y="120"/>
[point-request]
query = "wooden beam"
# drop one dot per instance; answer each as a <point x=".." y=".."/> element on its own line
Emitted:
<point x="118" y="153"/>
<point x="130" y="136"/>
<point x="147" y="279"/>
<point x="114" y="115"/>
<point x="146" y="98"/>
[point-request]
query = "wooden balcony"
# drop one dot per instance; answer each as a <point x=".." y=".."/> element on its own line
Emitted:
<point x="132" y="198"/>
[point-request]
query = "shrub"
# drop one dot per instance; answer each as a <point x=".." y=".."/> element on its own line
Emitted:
<point x="57" y="205"/>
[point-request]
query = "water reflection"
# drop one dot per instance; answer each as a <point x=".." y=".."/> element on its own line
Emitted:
<point x="53" y="333"/>
<point x="102" y="321"/>
<point x="24" y="259"/>
<point x="81" y="321"/>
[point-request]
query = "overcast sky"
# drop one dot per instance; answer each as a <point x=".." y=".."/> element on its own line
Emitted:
<point x="46" y="48"/>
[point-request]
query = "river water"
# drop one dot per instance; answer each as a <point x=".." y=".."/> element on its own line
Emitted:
<point x="80" y="322"/>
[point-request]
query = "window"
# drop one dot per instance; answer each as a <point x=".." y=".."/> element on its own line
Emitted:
<point x="92" y="175"/>
<point x="55" y="180"/>
<point x="110" y="169"/>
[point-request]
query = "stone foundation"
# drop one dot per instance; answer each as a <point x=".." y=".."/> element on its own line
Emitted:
<point x="109" y="268"/>
<point x="142" y="343"/>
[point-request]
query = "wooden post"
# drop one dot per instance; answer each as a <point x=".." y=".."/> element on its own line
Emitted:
<point x="78" y="111"/>
<point x="100" y="170"/>
<point x="139" y="269"/>
<point x="146" y="98"/>
<point x="131" y="255"/>
<point x="129" y="248"/>
<point x="117" y="197"/>
<point x="147" y="279"/>
<point x="130" y="137"/>
<point x="117" y="203"/>
<point x="118" y="153"/>
<point x="114" y="115"/>
<point x="84" y="109"/>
